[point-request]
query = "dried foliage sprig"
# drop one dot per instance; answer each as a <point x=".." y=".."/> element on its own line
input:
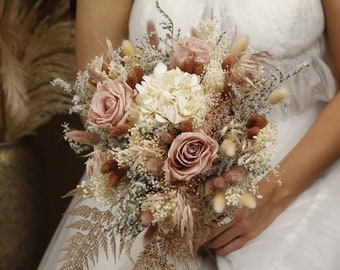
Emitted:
<point x="34" y="49"/>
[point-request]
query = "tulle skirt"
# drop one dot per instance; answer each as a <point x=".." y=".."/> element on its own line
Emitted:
<point x="305" y="236"/>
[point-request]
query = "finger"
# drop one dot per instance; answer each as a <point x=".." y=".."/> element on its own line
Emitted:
<point x="235" y="244"/>
<point x="217" y="230"/>
<point x="225" y="237"/>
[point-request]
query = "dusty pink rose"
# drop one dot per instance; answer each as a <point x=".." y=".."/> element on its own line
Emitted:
<point x="190" y="154"/>
<point x="110" y="104"/>
<point x="191" y="48"/>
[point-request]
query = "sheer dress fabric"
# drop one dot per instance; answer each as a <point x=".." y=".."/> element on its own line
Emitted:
<point x="307" y="234"/>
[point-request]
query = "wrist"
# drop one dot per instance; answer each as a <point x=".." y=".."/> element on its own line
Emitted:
<point x="276" y="194"/>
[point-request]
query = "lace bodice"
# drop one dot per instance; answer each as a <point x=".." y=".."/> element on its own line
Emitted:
<point x="288" y="29"/>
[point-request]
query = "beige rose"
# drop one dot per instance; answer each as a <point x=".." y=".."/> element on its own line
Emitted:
<point x="192" y="48"/>
<point x="110" y="104"/>
<point x="190" y="154"/>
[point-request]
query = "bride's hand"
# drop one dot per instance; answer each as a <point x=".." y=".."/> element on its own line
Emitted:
<point x="247" y="223"/>
<point x="298" y="169"/>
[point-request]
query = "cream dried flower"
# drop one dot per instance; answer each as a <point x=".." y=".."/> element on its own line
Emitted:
<point x="278" y="95"/>
<point x="173" y="96"/>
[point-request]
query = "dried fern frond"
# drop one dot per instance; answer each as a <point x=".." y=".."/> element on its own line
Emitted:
<point x="163" y="253"/>
<point x="34" y="51"/>
<point x="82" y="248"/>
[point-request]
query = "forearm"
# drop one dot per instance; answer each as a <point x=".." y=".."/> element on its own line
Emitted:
<point x="96" y="22"/>
<point x="318" y="149"/>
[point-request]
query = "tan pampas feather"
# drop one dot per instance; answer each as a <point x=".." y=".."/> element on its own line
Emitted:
<point x="34" y="51"/>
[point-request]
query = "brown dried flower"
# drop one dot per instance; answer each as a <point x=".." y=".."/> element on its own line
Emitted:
<point x="105" y="68"/>
<point x="150" y="233"/>
<point x="209" y="187"/>
<point x="186" y="126"/>
<point x="256" y="120"/>
<point x="219" y="182"/>
<point x="113" y="180"/>
<point x="154" y="165"/>
<point x="253" y="131"/>
<point x="120" y="130"/>
<point x="135" y="76"/>
<point x="227" y="63"/>
<point x="116" y="176"/>
<point x="234" y="175"/>
<point x="153" y="36"/>
<point x="193" y="67"/>
<point x="83" y="137"/>
<point x="109" y="166"/>
<point x="166" y="138"/>
<point x="146" y="218"/>
<point x="227" y="91"/>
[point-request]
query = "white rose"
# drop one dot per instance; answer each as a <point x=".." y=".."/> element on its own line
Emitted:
<point x="173" y="96"/>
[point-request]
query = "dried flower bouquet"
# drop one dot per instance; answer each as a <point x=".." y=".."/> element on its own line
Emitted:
<point x="177" y="135"/>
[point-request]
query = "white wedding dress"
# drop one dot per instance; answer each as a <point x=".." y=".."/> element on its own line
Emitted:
<point x="307" y="234"/>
